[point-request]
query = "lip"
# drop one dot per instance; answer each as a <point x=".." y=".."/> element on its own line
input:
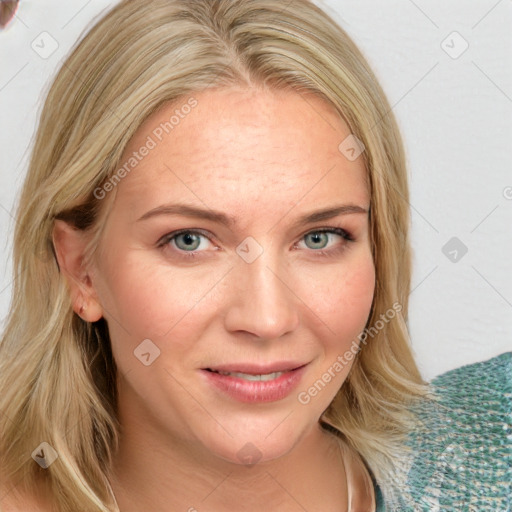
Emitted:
<point x="257" y="369"/>
<point x="248" y="391"/>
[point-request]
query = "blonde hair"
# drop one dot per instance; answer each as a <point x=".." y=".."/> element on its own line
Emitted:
<point x="57" y="374"/>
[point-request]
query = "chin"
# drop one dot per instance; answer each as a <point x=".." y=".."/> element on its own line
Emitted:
<point x="261" y="443"/>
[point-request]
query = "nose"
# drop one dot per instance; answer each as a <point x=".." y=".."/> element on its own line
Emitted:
<point x="261" y="299"/>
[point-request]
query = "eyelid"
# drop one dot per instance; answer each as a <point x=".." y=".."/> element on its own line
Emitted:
<point x="173" y="234"/>
<point x="330" y="229"/>
<point x="336" y="230"/>
<point x="343" y="233"/>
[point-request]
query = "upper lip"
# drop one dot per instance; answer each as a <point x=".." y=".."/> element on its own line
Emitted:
<point x="256" y="369"/>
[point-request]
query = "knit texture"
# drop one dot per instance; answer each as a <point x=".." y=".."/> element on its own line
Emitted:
<point x="462" y="452"/>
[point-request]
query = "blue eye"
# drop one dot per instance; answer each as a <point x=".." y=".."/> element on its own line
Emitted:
<point x="190" y="241"/>
<point x="187" y="242"/>
<point x="321" y="236"/>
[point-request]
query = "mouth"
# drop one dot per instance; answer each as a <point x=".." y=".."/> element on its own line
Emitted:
<point x="249" y="376"/>
<point x="254" y="372"/>
<point x="253" y="383"/>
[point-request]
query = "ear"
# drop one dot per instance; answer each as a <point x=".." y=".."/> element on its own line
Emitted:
<point x="70" y="244"/>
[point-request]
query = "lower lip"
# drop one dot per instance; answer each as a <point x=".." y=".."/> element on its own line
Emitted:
<point x="251" y="391"/>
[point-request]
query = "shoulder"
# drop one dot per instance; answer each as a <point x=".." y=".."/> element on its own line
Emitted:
<point x="493" y="377"/>
<point x="461" y="450"/>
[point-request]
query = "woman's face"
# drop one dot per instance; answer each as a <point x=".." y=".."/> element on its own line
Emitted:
<point x="250" y="286"/>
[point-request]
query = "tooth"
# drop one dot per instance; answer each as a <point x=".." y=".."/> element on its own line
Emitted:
<point x="247" y="376"/>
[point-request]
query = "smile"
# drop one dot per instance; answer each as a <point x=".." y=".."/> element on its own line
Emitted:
<point x="248" y="376"/>
<point x="252" y="384"/>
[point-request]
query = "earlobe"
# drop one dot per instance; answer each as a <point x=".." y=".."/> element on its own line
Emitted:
<point x="70" y="244"/>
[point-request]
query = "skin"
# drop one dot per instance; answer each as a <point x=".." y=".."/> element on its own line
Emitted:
<point x="266" y="157"/>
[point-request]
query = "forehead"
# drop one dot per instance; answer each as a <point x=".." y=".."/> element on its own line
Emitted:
<point x="232" y="148"/>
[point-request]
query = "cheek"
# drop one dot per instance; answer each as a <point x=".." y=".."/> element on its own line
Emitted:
<point x="357" y="289"/>
<point x="344" y="306"/>
<point x="343" y="299"/>
<point x="151" y="300"/>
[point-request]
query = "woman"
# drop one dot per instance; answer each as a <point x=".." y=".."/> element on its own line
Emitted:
<point x="177" y="338"/>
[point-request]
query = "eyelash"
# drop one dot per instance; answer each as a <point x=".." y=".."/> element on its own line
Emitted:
<point x="164" y="241"/>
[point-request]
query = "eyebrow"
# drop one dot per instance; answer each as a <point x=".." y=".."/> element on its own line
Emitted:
<point x="230" y="221"/>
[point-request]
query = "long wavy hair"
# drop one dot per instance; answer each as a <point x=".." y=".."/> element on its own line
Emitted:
<point x="57" y="373"/>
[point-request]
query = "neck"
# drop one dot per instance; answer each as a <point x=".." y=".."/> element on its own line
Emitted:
<point x="153" y="471"/>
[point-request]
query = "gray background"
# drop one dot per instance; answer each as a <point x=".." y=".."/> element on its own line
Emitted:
<point x="454" y="105"/>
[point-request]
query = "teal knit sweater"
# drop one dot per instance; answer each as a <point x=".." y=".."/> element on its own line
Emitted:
<point x="462" y="454"/>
